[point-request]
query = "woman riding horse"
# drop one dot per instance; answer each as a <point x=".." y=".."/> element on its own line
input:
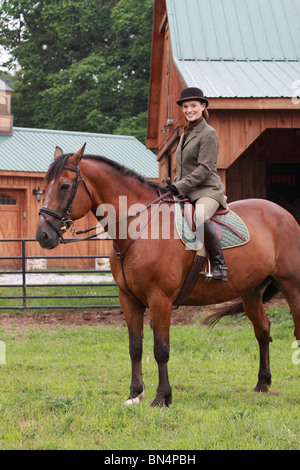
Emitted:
<point x="150" y="272"/>
<point x="197" y="176"/>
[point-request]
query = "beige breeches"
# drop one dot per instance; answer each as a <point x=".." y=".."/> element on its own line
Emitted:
<point x="205" y="207"/>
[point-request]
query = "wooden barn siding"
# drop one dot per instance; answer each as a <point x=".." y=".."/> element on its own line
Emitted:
<point x="28" y="222"/>
<point x="237" y="130"/>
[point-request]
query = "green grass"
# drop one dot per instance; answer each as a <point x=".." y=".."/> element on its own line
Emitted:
<point x="65" y="290"/>
<point x="65" y="389"/>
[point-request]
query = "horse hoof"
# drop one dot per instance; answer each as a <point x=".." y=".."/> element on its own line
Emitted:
<point x="162" y="401"/>
<point x="261" y="389"/>
<point x="135" y="401"/>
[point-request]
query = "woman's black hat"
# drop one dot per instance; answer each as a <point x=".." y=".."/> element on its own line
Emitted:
<point x="192" y="94"/>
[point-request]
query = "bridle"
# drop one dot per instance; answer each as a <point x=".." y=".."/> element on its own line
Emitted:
<point x="65" y="216"/>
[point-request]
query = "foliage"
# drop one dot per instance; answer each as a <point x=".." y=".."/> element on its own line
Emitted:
<point x="84" y="65"/>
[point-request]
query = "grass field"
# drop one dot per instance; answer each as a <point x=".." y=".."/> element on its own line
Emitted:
<point x="64" y="389"/>
<point x="59" y="295"/>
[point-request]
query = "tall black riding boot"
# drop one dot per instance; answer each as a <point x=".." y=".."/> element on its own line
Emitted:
<point x="212" y="244"/>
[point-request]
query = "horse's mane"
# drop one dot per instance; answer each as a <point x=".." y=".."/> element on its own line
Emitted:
<point x="58" y="164"/>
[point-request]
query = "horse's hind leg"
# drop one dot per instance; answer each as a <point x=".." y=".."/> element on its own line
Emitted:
<point x="290" y="288"/>
<point x="255" y="311"/>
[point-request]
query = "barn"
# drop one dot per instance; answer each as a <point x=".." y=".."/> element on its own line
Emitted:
<point x="25" y="156"/>
<point x="245" y="56"/>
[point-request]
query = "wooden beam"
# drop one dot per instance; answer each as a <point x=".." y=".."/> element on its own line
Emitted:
<point x="24" y="174"/>
<point x="159" y="26"/>
<point x="163" y="23"/>
<point x="253" y="103"/>
<point x="173" y="137"/>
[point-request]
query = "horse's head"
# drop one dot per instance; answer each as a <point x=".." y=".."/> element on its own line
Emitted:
<point x="66" y="198"/>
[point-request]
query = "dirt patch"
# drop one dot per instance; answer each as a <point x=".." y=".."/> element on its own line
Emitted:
<point x="105" y="317"/>
<point x="75" y="319"/>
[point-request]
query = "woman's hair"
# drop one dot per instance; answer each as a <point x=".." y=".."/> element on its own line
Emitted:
<point x="205" y="114"/>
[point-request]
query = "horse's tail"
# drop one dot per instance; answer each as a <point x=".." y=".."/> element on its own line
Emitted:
<point x="237" y="307"/>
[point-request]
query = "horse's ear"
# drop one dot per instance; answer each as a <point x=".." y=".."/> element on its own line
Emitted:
<point x="58" y="152"/>
<point x="75" y="159"/>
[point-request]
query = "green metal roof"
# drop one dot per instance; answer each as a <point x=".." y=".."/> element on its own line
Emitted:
<point x="237" y="47"/>
<point x="235" y="29"/>
<point x="243" y="79"/>
<point x="33" y="150"/>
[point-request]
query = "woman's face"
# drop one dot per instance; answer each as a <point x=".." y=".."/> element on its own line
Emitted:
<point x="192" y="110"/>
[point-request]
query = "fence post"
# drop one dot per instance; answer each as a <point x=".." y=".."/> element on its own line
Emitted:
<point x="23" y="274"/>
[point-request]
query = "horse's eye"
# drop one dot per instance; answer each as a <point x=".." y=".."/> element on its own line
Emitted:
<point x="64" y="186"/>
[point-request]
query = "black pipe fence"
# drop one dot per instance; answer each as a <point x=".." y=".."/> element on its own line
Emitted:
<point x="23" y="301"/>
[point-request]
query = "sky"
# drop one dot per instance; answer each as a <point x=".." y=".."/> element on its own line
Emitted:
<point x="4" y="56"/>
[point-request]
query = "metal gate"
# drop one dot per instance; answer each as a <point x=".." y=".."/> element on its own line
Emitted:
<point x="23" y="299"/>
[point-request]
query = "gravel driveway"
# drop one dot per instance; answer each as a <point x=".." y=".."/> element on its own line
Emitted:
<point x="40" y="278"/>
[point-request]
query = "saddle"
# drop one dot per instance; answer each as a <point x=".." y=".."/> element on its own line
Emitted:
<point x="188" y="211"/>
<point x="229" y="227"/>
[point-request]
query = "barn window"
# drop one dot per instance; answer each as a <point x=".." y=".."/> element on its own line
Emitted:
<point x="3" y="103"/>
<point x="6" y="200"/>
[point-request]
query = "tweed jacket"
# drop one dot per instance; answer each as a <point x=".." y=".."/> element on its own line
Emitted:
<point x="196" y="160"/>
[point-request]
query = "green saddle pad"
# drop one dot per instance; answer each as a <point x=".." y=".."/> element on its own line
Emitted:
<point x="232" y="230"/>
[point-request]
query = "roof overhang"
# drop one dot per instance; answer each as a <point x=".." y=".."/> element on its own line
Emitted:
<point x="242" y="79"/>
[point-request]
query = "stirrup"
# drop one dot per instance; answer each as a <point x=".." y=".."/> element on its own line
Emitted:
<point x="208" y="275"/>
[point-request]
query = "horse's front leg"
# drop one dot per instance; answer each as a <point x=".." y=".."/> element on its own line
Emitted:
<point x="134" y="317"/>
<point x="160" y="310"/>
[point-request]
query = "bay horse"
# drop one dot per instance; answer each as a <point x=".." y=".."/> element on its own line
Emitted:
<point x="150" y="272"/>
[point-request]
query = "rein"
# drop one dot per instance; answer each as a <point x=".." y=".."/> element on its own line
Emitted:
<point x="159" y="200"/>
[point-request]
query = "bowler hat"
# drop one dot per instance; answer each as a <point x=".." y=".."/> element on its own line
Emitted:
<point x="192" y="94"/>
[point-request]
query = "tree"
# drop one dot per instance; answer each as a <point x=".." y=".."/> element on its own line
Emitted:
<point x="84" y="65"/>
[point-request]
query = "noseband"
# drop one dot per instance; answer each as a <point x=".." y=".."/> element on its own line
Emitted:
<point x="65" y="216"/>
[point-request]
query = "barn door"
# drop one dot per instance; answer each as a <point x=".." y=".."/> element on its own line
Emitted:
<point x="10" y="226"/>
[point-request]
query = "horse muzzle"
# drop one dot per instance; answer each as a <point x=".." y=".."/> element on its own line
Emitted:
<point x="47" y="234"/>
